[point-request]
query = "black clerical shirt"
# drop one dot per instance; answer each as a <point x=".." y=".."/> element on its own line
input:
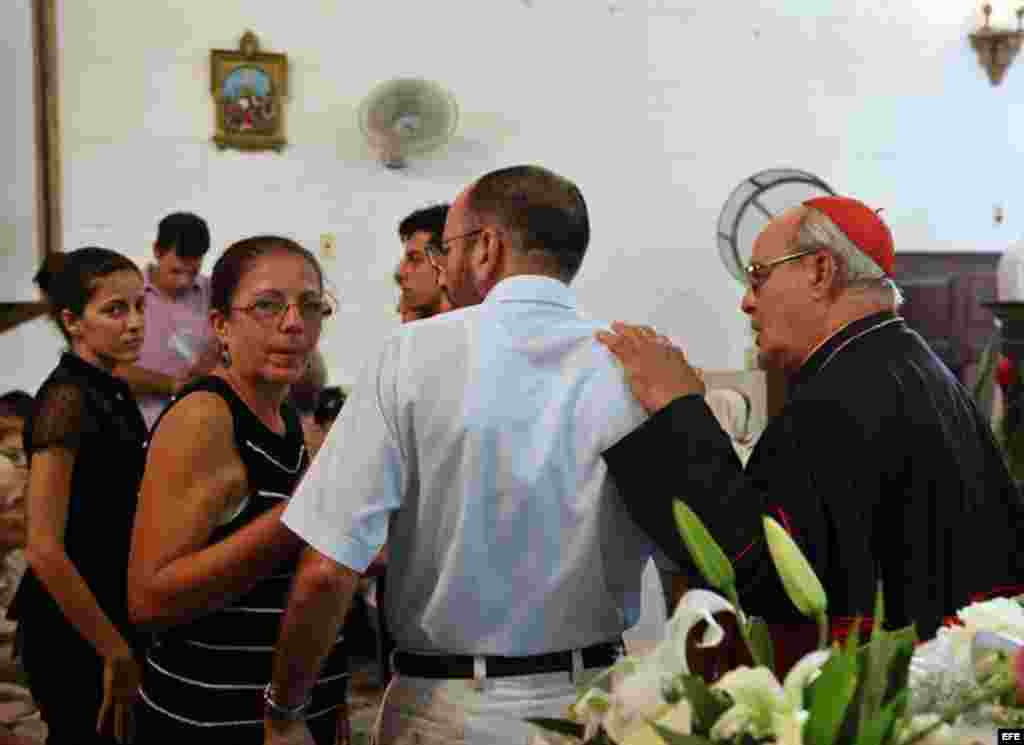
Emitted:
<point x="879" y="464"/>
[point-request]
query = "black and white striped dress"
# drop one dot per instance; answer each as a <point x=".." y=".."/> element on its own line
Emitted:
<point x="205" y="679"/>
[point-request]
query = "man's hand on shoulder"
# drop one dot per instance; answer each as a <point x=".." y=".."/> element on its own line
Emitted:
<point x="656" y="369"/>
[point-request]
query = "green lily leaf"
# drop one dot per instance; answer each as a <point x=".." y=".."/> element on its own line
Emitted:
<point x="898" y="672"/>
<point x="879" y="617"/>
<point x="984" y="388"/>
<point x="833" y="692"/>
<point x="801" y="583"/>
<point x="761" y="641"/>
<point x="706" y="706"/>
<point x="674" y="738"/>
<point x="559" y="726"/>
<point x="878" y="730"/>
<point x="852" y="643"/>
<point x="886" y="662"/>
<point x="707" y="554"/>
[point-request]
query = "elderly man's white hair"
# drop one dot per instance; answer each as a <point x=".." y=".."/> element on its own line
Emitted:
<point x="857" y="270"/>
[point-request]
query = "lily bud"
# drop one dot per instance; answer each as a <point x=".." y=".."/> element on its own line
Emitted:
<point x="801" y="583"/>
<point x="707" y="554"/>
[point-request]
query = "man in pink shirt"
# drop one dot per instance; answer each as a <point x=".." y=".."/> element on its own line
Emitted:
<point x="179" y="343"/>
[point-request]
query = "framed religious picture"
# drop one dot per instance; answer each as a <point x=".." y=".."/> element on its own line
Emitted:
<point x="249" y="89"/>
<point x="30" y="218"/>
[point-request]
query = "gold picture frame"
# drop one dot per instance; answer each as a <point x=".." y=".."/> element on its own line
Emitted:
<point x="43" y="69"/>
<point x="249" y="88"/>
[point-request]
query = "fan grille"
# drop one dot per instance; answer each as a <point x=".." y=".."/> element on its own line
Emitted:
<point x="752" y="204"/>
<point x="411" y="115"/>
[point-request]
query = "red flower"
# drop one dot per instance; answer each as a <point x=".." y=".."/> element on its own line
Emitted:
<point x="1006" y="372"/>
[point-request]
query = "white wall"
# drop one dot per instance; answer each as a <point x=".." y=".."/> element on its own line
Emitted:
<point x="657" y="110"/>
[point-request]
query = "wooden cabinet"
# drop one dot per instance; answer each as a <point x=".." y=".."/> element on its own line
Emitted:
<point x="943" y="295"/>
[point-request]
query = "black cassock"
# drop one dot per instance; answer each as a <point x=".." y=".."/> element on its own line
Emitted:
<point x="879" y="464"/>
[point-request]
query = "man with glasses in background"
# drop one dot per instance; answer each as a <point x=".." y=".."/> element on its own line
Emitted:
<point x="472" y="445"/>
<point x="880" y="465"/>
<point x="418" y="278"/>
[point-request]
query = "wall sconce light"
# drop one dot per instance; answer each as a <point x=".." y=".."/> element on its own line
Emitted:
<point x="997" y="48"/>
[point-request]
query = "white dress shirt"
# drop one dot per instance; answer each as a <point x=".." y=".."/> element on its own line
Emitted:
<point x="472" y="445"/>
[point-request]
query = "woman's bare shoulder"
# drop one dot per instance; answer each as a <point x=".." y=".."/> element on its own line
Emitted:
<point x="194" y="444"/>
<point x="197" y="423"/>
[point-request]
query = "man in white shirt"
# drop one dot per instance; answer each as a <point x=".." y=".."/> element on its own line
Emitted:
<point x="472" y="445"/>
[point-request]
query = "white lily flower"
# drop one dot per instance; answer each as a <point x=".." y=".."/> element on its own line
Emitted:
<point x="789" y="727"/>
<point x="756" y="695"/>
<point x="678" y="718"/>
<point x="760" y="703"/>
<point x="695" y="606"/>
<point x="590" y="710"/>
<point x="637" y="685"/>
<point x="635" y="699"/>
<point x="944" y="735"/>
<point x="801" y="675"/>
<point x="998" y="614"/>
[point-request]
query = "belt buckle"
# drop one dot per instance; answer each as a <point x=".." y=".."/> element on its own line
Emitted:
<point x="576" y="672"/>
<point x="479" y="672"/>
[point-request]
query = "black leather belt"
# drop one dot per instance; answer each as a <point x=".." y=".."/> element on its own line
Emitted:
<point x="461" y="665"/>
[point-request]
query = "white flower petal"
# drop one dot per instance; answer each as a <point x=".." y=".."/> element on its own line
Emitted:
<point x="758" y="691"/>
<point x="733" y="721"/>
<point x="635" y="699"/>
<point x="997" y="614"/>
<point x="679" y="718"/>
<point x="801" y="675"/>
<point x="590" y="710"/>
<point x="694" y="607"/>
<point x="944" y="735"/>
<point x="789" y="727"/>
<point x="751" y="685"/>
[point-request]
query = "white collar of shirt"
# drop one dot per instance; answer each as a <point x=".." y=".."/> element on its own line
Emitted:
<point x="532" y="288"/>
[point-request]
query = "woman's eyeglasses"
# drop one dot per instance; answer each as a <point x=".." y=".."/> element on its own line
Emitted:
<point x="272" y="309"/>
<point x="15" y="456"/>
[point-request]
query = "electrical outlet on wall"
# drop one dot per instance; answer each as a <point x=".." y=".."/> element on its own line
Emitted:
<point x="328" y="246"/>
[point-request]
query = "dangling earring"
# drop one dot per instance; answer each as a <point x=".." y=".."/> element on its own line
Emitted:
<point x="225" y="356"/>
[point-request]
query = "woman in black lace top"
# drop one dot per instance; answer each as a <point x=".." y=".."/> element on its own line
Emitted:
<point x="85" y="443"/>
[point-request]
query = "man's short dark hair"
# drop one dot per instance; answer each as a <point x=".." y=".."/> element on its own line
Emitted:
<point x="428" y="220"/>
<point x="186" y="233"/>
<point x="16" y="404"/>
<point x="545" y="210"/>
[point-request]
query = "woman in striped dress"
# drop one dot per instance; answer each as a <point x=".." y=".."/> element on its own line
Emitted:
<point x="211" y="563"/>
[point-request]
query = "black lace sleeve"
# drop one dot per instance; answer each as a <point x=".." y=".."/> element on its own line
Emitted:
<point x="61" y="418"/>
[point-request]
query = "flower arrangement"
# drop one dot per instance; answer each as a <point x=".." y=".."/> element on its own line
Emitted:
<point x="999" y="366"/>
<point x="886" y="690"/>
